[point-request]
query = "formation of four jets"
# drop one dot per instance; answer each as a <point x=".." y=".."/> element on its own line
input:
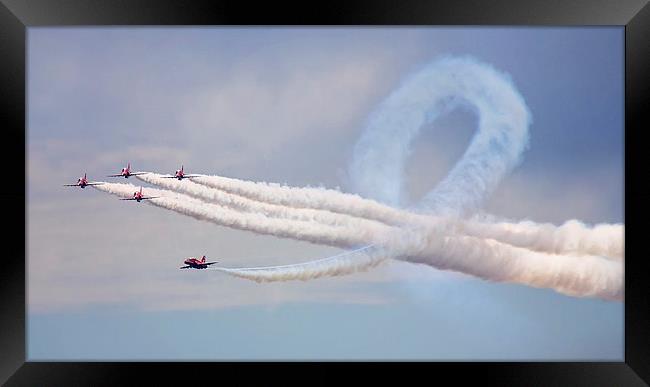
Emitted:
<point x="180" y="174"/>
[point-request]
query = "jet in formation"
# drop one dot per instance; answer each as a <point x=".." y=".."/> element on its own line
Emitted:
<point x="82" y="182"/>
<point x="137" y="196"/>
<point x="126" y="172"/>
<point x="180" y="175"/>
<point x="195" y="263"/>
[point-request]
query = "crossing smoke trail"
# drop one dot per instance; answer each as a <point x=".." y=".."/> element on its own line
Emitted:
<point x="487" y="259"/>
<point x="496" y="148"/>
<point x="571" y="237"/>
<point x="573" y="258"/>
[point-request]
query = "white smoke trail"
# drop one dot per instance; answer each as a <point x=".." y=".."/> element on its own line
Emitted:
<point x="488" y="259"/>
<point x="571" y="237"/>
<point x="299" y="197"/>
<point x="340" y="264"/>
<point x="343" y="237"/>
<point x="583" y="276"/>
<point x="377" y="167"/>
<point x="242" y="203"/>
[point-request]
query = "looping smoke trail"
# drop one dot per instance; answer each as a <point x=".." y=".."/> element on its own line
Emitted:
<point x="377" y="167"/>
<point x="572" y="259"/>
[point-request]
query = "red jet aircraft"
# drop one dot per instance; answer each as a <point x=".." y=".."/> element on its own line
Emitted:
<point x="180" y="175"/>
<point x="82" y="182"/>
<point x="138" y="196"/>
<point x="126" y="172"/>
<point x="196" y="263"/>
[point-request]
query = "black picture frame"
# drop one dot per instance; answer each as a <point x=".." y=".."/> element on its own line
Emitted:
<point x="17" y="15"/>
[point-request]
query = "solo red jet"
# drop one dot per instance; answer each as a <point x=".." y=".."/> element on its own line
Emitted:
<point x="196" y="263"/>
<point x="126" y="172"/>
<point x="138" y="196"/>
<point x="82" y="182"/>
<point x="180" y="175"/>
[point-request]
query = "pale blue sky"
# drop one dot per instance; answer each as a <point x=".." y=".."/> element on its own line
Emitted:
<point x="287" y="105"/>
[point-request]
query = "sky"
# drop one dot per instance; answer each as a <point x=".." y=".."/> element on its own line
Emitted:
<point x="287" y="105"/>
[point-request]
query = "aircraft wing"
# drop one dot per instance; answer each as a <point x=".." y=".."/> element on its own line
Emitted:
<point x="188" y="176"/>
<point x="77" y="185"/>
<point x="128" y="199"/>
<point x="150" y="197"/>
<point x="184" y="267"/>
<point x="120" y="175"/>
<point x="167" y="177"/>
<point x="138" y="173"/>
<point x="210" y="263"/>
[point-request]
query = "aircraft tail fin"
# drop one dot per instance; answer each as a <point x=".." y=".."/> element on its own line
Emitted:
<point x="203" y="259"/>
